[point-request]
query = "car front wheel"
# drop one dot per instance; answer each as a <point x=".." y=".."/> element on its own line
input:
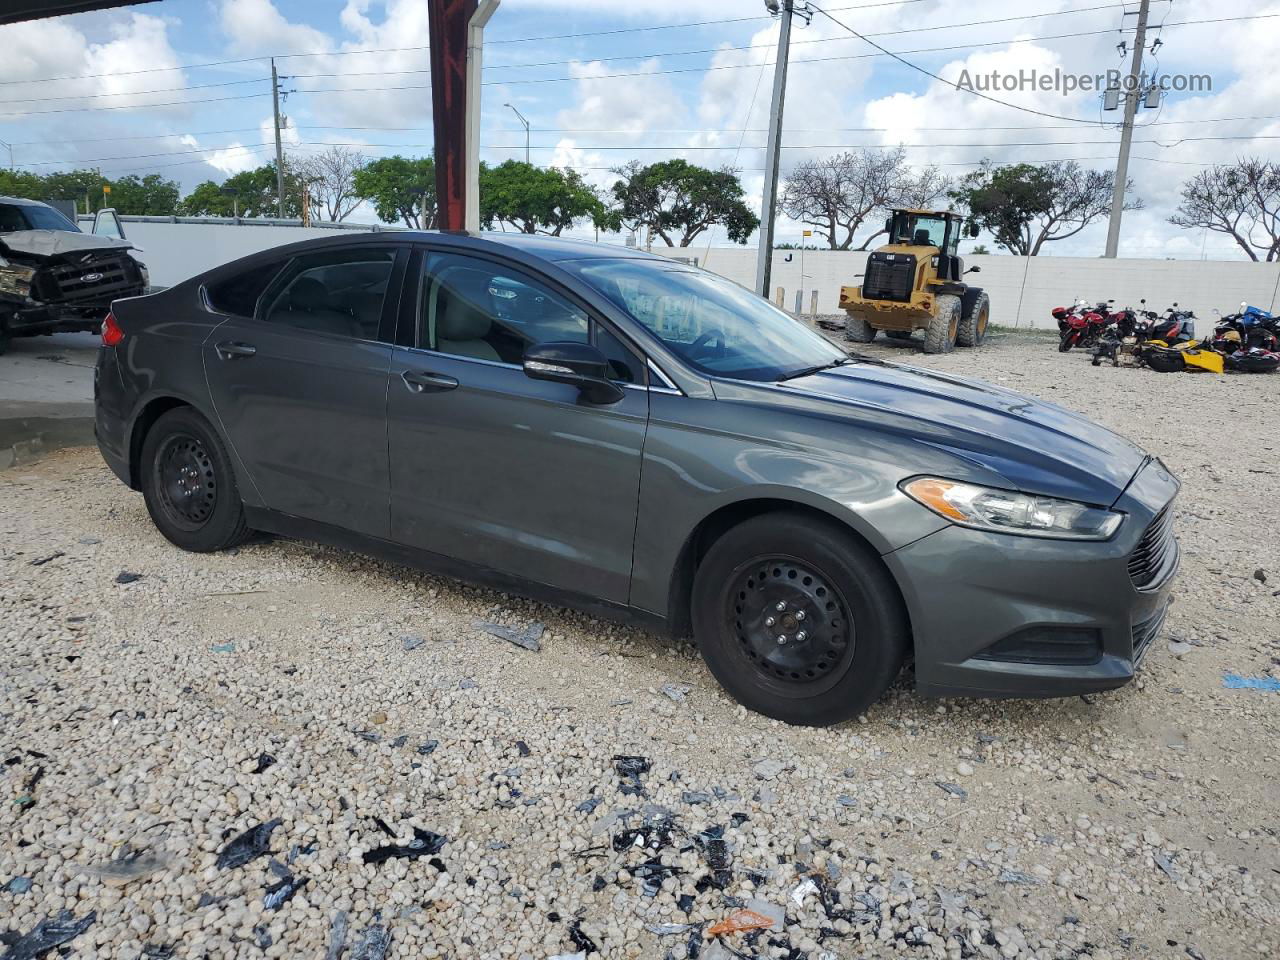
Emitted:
<point x="798" y="620"/>
<point x="188" y="484"/>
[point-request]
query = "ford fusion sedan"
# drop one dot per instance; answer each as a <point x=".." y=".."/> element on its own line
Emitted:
<point x="642" y="439"/>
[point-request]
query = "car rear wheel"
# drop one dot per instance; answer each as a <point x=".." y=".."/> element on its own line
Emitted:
<point x="798" y="620"/>
<point x="940" y="335"/>
<point x="188" y="484"/>
<point x="859" y="329"/>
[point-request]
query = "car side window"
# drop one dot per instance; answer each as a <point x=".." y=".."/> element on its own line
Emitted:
<point x="624" y="365"/>
<point x="337" y="292"/>
<point x="477" y="308"/>
<point x="238" y="295"/>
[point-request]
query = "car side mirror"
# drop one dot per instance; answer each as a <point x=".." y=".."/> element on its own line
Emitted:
<point x="888" y="227"/>
<point x="577" y="364"/>
<point x="974" y="269"/>
<point x="973" y="229"/>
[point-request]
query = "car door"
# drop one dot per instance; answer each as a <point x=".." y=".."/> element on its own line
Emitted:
<point x="509" y="474"/>
<point x="298" y="376"/>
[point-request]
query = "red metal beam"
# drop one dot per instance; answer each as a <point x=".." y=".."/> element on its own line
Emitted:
<point x="448" y="22"/>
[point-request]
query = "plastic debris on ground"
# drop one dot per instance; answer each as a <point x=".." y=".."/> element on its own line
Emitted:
<point x="738" y="921"/>
<point x="337" y="936"/>
<point x="952" y="788"/>
<point x="412" y="641"/>
<point x="1018" y="878"/>
<point x="675" y="691"/>
<point x="265" y="760"/>
<point x="424" y="843"/>
<point x="630" y="769"/>
<point x="589" y="805"/>
<point x="19" y="885"/>
<point x="802" y="890"/>
<point x="579" y="939"/>
<point x="656" y="832"/>
<point x="1233" y="681"/>
<point x="250" y="845"/>
<point x="1167" y="866"/>
<point x="128" y="866"/>
<point x="716" y="853"/>
<point x="124" y="576"/>
<point x="693" y="797"/>
<point x="222" y="648"/>
<point x="41" y="561"/>
<point x="529" y="638"/>
<point x="428" y="748"/>
<point x="49" y="933"/>
<point x="373" y="942"/>
<point x="768" y="769"/>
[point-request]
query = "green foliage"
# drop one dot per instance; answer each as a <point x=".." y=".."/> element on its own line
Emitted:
<point x="536" y="199"/>
<point x="19" y="183"/>
<point x="980" y="250"/>
<point x="149" y="196"/>
<point x="256" y="195"/>
<point x="678" y="199"/>
<point x="1025" y="206"/>
<point x="400" y="189"/>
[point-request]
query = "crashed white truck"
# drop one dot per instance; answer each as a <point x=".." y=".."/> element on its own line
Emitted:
<point x="55" y="278"/>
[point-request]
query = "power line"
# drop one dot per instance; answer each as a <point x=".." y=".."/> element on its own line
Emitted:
<point x="132" y="106"/>
<point x="135" y="93"/>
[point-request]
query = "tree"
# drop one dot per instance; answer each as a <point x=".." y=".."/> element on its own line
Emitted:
<point x="1240" y="200"/>
<point x="678" y="199"/>
<point x="149" y="196"/>
<point x="980" y="250"/>
<point x="838" y="194"/>
<point x="255" y="195"/>
<point x="83" y="186"/>
<point x="19" y="183"/>
<point x="534" y="199"/>
<point x="1025" y="206"/>
<point x="400" y="189"/>
<point x="330" y="181"/>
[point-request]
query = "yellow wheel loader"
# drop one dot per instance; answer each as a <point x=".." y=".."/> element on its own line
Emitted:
<point x="915" y="282"/>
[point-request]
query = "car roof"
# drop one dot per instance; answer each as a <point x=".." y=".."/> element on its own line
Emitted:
<point x="22" y="202"/>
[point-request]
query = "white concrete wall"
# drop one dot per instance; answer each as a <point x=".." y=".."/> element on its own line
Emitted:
<point x="1023" y="289"/>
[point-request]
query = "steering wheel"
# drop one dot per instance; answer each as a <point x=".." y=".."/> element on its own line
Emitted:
<point x="706" y="338"/>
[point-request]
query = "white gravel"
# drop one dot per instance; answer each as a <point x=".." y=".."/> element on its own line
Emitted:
<point x="1141" y="823"/>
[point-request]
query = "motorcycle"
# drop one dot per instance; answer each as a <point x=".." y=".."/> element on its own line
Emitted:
<point x="1080" y="326"/>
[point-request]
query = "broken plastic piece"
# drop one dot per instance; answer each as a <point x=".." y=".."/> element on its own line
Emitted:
<point x="129" y="867"/>
<point x="265" y="760"/>
<point x="412" y="641"/>
<point x="952" y="788"/>
<point x="124" y="576"/>
<point x="19" y="885"/>
<point x="1018" y="878"/>
<point x="337" y="936"/>
<point x="41" y="561"/>
<point x="739" y="921"/>
<point x="424" y="843"/>
<point x="222" y="648"/>
<point x="1233" y="681"/>
<point x="651" y="873"/>
<point x="47" y="934"/>
<point x="373" y="943"/>
<point x="802" y="890"/>
<point x="250" y="845"/>
<point x="529" y="638"/>
<point x="580" y="939"/>
<point x="695" y="796"/>
<point x="629" y="770"/>
<point x="281" y="892"/>
<point x="716" y="852"/>
<point x="428" y="747"/>
<point x="675" y="691"/>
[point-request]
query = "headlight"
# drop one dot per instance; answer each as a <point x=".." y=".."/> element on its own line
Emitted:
<point x="1004" y="511"/>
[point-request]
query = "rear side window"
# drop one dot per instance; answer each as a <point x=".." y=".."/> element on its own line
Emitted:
<point x="336" y="292"/>
<point x="238" y="295"/>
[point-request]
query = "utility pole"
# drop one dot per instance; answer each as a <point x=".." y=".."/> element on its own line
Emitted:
<point x="275" y="103"/>
<point x="526" y="131"/>
<point x="1131" y="97"/>
<point x="9" y="147"/>
<point x="764" y="257"/>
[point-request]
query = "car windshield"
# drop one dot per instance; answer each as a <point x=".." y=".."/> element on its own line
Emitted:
<point x="711" y="323"/>
<point x="22" y="217"/>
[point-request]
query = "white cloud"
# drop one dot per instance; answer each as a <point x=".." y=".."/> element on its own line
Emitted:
<point x="256" y="26"/>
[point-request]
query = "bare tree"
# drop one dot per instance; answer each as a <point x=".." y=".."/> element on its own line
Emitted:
<point x="330" y="178"/>
<point x="837" y="194"/>
<point x="1241" y="200"/>
<point x="917" y="190"/>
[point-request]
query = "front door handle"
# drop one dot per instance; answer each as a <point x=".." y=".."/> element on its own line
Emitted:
<point x="424" y="381"/>
<point x="230" y="350"/>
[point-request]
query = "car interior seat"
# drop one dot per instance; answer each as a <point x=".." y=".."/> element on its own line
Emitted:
<point x="311" y="307"/>
<point x="461" y="326"/>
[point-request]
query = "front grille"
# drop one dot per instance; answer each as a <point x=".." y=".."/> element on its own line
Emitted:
<point x="1145" y="632"/>
<point x="109" y="278"/>
<point x="889" y="279"/>
<point x="1156" y="552"/>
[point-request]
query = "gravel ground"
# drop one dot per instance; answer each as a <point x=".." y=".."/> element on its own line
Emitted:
<point x="144" y="725"/>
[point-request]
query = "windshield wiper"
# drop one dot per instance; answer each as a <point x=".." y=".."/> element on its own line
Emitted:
<point x="806" y="371"/>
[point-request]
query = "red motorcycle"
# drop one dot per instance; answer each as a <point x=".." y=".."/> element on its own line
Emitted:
<point x="1080" y="326"/>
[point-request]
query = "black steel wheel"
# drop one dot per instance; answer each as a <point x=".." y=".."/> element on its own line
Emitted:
<point x="188" y="483"/>
<point x="798" y="618"/>
<point x="790" y="620"/>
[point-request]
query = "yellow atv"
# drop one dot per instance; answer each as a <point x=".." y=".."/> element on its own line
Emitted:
<point x="915" y="283"/>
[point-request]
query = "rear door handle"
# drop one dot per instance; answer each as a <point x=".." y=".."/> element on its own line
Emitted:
<point x="230" y="350"/>
<point x="424" y="381"/>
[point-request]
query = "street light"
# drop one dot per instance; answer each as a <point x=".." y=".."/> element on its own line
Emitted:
<point x="526" y="130"/>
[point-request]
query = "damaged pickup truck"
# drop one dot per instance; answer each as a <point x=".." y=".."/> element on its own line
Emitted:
<point x="53" y="277"/>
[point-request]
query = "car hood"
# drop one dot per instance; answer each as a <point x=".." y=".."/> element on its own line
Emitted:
<point x="1036" y="447"/>
<point x="52" y="243"/>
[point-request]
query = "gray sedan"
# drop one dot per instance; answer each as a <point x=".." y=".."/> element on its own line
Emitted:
<point x="645" y="440"/>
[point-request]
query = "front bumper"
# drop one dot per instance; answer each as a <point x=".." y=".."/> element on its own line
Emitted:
<point x="967" y="590"/>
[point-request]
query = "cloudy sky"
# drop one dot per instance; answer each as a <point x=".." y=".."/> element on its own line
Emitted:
<point x="181" y="87"/>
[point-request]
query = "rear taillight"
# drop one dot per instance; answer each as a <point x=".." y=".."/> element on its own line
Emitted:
<point x="111" y="332"/>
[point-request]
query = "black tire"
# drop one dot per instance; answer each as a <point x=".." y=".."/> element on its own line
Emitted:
<point x="973" y="324"/>
<point x="898" y="334"/>
<point x="940" y="335"/>
<point x="858" y="624"/>
<point x="1067" y="341"/>
<point x="858" y="329"/>
<point x="5" y="337"/>
<point x="1165" y="360"/>
<point x="188" y="484"/>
